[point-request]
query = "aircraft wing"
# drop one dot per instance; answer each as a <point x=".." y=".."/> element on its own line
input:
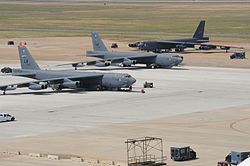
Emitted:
<point x="30" y="75"/>
<point x="169" y="42"/>
<point x="131" y="59"/>
<point x="75" y="64"/>
<point x="211" y="46"/>
<point x="110" y="61"/>
<point x="136" y="58"/>
<point x="52" y="81"/>
<point x="226" y="47"/>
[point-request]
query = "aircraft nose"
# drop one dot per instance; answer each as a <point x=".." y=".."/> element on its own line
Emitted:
<point x="132" y="80"/>
<point x="180" y="59"/>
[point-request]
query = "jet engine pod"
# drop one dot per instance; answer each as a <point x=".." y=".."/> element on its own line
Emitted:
<point x="71" y="84"/>
<point x="37" y="86"/>
<point x="128" y="62"/>
<point x="102" y="64"/>
<point x="180" y="48"/>
<point x="133" y="44"/>
<point x="207" y="47"/>
<point x="81" y="64"/>
<point x="12" y="87"/>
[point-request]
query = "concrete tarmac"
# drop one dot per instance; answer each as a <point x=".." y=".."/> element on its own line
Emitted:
<point x="178" y="91"/>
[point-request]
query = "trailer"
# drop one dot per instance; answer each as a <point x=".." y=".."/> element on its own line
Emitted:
<point x="182" y="153"/>
<point x="236" y="157"/>
<point x="148" y="84"/>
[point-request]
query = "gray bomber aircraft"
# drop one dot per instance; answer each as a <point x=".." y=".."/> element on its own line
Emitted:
<point x="58" y="79"/>
<point x="126" y="59"/>
<point x="180" y="44"/>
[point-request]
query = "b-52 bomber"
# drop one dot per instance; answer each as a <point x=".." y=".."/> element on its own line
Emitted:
<point x="125" y="59"/>
<point x="180" y="44"/>
<point x="58" y="79"/>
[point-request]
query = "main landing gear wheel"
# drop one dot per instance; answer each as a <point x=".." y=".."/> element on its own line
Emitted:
<point x="130" y="88"/>
<point x="99" y="88"/>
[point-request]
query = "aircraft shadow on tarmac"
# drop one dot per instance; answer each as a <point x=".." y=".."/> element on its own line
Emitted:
<point x="128" y="68"/>
<point x="205" y="52"/>
<point x="46" y="92"/>
<point x="74" y="91"/>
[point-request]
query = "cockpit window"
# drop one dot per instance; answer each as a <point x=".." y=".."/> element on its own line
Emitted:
<point x="127" y="76"/>
<point x="176" y="56"/>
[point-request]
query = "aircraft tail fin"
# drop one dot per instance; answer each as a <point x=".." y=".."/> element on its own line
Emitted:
<point x="199" y="33"/>
<point x="26" y="59"/>
<point x="97" y="42"/>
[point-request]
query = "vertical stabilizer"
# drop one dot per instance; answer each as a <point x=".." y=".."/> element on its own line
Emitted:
<point x="26" y="60"/>
<point x="97" y="42"/>
<point x="200" y="30"/>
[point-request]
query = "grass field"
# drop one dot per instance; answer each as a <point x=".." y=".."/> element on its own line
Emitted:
<point x="124" y="22"/>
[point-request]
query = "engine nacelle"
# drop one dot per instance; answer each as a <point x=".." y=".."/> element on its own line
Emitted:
<point x="180" y="48"/>
<point x="12" y="87"/>
<point x="128" y="62"/>
<point x="224" y="48"/>
<point x="37" y="86"/>
<point x="103" y="64"/>
<point x="71" y="84"/>
<point x="81" y="64"/>
<point x="133" y="44"/>
<point x="207" y="47"/>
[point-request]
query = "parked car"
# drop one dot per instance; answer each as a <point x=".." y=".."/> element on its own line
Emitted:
<point x="11" y="42"/>
<point x="238" y="55"/>
<point x="182" y="153"/>
<point x="4" y="117"/>
<point x="114" y="45"/>
<point x="6" y="70"/>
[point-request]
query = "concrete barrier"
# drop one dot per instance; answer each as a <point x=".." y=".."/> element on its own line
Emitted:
<point x="53" y="157"/>
<point x="76" y="159"/>
<point x="107" y="163"/>
<point x="14" y="153"/>
<point x="120" y="163"/>
<point x="35" y="155"/>
<point x="92" y="161"/>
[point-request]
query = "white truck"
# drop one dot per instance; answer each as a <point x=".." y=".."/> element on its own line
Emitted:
<point x="6" y="117"/>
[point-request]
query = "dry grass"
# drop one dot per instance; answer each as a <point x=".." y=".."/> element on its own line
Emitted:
<point x="124" y="22"/>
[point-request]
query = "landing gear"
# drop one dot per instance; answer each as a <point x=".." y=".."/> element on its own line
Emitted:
<point x="4" y="93"/>
<point x="179" y="50"/>
<point x="57" y="88"/>
<point x="123" y="65"/>
<point x="152" y="66"/>
<point x="99" y="88"/>
<point x="130" y="88"/>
